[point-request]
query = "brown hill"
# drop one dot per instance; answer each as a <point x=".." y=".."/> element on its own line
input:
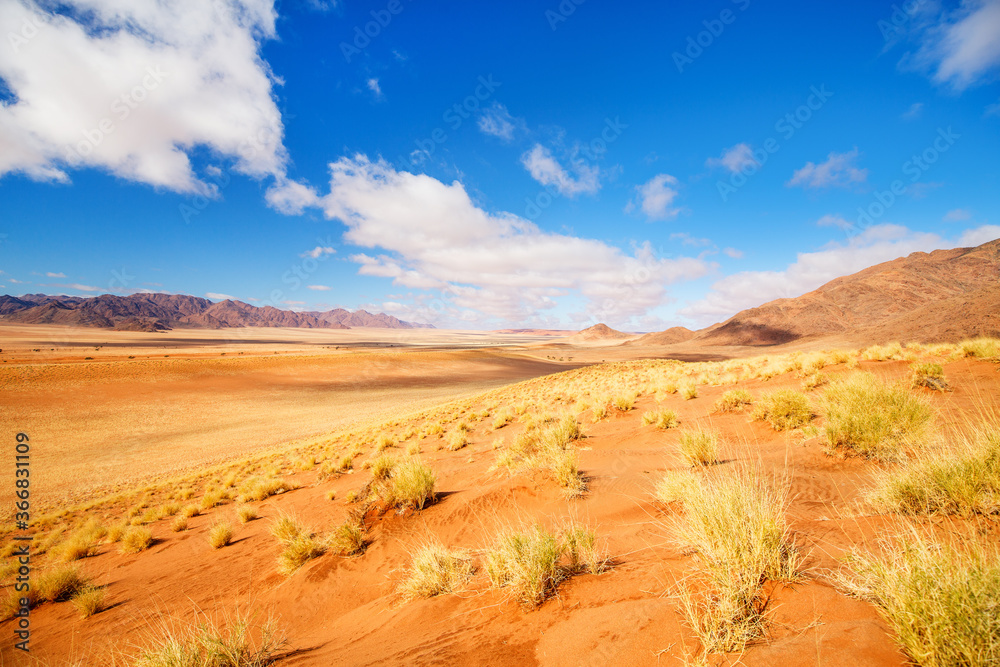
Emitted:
<point x="667" y="337"/>
<point x="154" y="312"/>
<point x="601" y="332"/>
<point x="945" y="295"/>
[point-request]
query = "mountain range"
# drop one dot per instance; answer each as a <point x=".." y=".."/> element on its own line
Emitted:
<point x="159" y="312"/>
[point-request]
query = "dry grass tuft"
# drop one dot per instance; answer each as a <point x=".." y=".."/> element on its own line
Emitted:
<point x="662" y="419"/>
<point x="262" y="488"/>
<point x="221" y="535"/>
<point x="59" y="583"/>
<point x="435" y="570"/>
<point x="246" y="513"/>
<point x="699" y="448"/>
<point x="689" y="391"/>
<point x="90" y="600"/>
<point x="180" y="524"/>
<point x="929" y="375"/>
<point x="734" y="400"/>
<point x="207" y="644"/>
<point x="349" y="538"/>
<point x="784" y="409"/>
<point x="874" y="419"/>
<point x="136" y="539"/>
<point x="940" y="599"/>
<point x="298" y="551"/>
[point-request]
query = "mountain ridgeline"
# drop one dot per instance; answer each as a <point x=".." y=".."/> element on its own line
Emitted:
<point x="160" y="312"/>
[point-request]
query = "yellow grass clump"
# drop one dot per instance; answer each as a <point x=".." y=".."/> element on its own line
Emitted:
<point x="699" y="448"/>
<point x="90" y="600"/>
<point x="733" y="400"/>
<point x="662" y="419"/>
<point x="941" y="599"/>
<point x="784" y="409"/>
<point x="136" y="539"/>
<point x="873" y="419"/>
<point x="435" y="570"/>
<point x="221" y="535"/>
<point x="929" y="375"/>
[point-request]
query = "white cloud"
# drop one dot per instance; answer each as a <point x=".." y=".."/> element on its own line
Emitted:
<point x="318" y="252"/>
<point x="962" y="47"/>
<point x="975" y="237"/>
<point x="734" y="159"/>
<point x="914" y="111"/>
<point x="219" y="297"/>
<point x="487" y="265"/>
<point x="290" y="197"/>
<point x="877" y="244"/>
<point x="546" y="170"/>
<point x="733" y="253"/>
<point x="838" y="170"/>
<point x="318" y="288"/>
<point x="19" y="282"/>
<point x="837" y="221"/>
<point x="49" y="274"/>
<point x="957" y="215"/>
<point x="374" y="87"/>
<point x="496" y="121"/>
<point x="656" y="197"/>
<point x="136" y="87"/>
<point x="76" y="286"/>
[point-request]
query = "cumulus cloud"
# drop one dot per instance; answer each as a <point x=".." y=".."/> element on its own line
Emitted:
<point x="135" y="88"/>
<point x="50" y="274"/>
<point x="961" y="47"/>
<point x="656" y="197"/>
<point x="837" y="221"/>
<point x="431" y="236"/>
<point x="546" y="170"/>
<point x="290" y="197"/>
<point x="876" y="244"/>
<point x="837" y="171"/>
<point x="496" y="121"/>
<point x="219" y="297"/>
<point x="734" y="159"/>
<point x="318" y="252"/>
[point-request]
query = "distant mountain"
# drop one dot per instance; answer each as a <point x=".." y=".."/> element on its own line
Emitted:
<point x="158" y="312"/>
<point x="601" y="332"/>
<point x="667" y="337"/>
<point x="942" y="296"/>
<point x="362" y="318"/>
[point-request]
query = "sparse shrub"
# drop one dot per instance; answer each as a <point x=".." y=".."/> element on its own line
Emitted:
<point x="435" y="570"/>
<point x="298" y="551"/>
<point x="734" y="400"/>
<point x="206" y="644"/>
<point x="179" y="524"/>
<point x="599" y="411"/>
<point x="784" y="409"/>
<point x="349" y="538"/>
<point x="623" y="402"/>
<point x="412" y="449"/>
<point x="940" y="599"/>
<point x="699" y="448"/>
<point x="287" y="527"/>
<point x="261" y="488"/>
<point x="501" y="419"/>
<point x="59" y="583"/>
<point x="190" y="511"/>
<point x="662" y="419"/>
<point x="689" y="391"/>
<point x="411" y="484"/>
<point x="382" y="466"/>
<point x="331" y="495"/>
<point x="352" y="496"/>
<point x="246" y="513"/>
<point x="874" y="419"/>
<point x="892" y="351"/>
<point x="220" y="535"/>
<point x="383" y="443"/>
<point x="211" y="499"/>
<point x="579" y="544"/>
<point x="981" y="348"/>
<point x="963" y="480"/>
<point x="929" y="375"/>
<point x="136" y="539"/>
<point x="457" y="441"/>
<point x="90" y="600"/>
<point x="736" y="525"/>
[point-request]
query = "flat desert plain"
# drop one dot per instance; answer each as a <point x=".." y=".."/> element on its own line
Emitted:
<point x="108" y="409"/>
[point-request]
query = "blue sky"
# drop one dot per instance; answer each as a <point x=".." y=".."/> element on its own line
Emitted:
<point x="478" y="165"/>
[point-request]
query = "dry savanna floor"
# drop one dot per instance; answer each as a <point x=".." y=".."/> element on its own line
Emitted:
<point x="824" y="507"/>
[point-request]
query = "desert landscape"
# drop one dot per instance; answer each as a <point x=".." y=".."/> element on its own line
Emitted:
<point x="545" y="333"/>
<point x="423" y="496"/>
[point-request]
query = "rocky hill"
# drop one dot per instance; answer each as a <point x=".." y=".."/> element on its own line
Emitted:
<point x="157" y="312"/>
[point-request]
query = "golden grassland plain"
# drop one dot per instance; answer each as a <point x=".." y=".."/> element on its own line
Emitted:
<point x="579" y="506"/>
